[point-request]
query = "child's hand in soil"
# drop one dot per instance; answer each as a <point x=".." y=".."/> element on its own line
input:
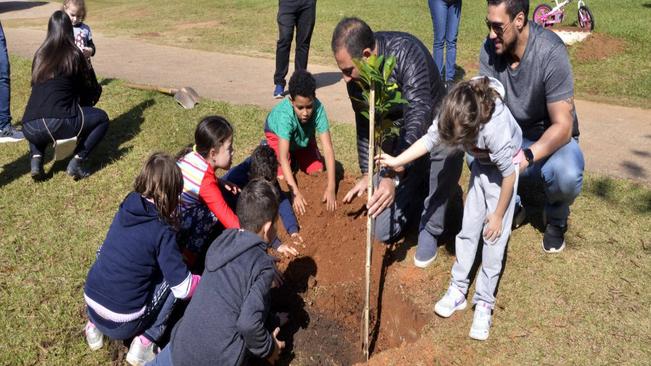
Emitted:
<point x="297" y="239"/>
<point x="493" y="227"/>
<point x="287" y="250"/>
<point x="299" y="202"/>
<point x="330" y="199"/>
<point x="278" y="347"/>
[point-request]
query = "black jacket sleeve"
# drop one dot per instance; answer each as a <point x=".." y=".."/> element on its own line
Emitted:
<point x="421" y="86"/>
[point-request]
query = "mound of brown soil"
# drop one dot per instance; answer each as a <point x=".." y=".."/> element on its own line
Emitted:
<point x="324" y="287"/>
<point x="599" y="47"/>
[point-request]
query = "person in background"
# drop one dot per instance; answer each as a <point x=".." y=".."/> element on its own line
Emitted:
<point x="299" y="15"/>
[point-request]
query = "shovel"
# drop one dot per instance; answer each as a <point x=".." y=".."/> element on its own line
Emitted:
<point x="186" y="97"/>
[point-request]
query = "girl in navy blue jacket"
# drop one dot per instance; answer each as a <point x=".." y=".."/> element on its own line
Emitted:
<point x="139" y="273"/>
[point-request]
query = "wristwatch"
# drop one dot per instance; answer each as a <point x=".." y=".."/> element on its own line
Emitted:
<point x="388" y="173"/>
<point x="528" y="155"/>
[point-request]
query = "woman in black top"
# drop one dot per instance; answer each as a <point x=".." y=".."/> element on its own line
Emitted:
<point x="60" y="105"/>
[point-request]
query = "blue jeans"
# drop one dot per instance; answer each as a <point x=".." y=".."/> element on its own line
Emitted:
<point x="152" y="323"/>
<point x="561" y="174"/>
<point x="5" y="85"/>
<point x="445" y="22"/>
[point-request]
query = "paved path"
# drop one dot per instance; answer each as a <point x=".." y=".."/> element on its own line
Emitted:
<point x="616" y="140"/>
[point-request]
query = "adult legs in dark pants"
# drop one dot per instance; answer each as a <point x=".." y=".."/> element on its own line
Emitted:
<point x="445" y="171"/>
<point x="391" y="223"/>
<point x="41" y="132"/>
<point x="299" y="14"/>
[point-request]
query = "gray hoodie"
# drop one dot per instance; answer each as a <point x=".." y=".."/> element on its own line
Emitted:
<point x="224" y="322"/>
<point x="499" y="140"/>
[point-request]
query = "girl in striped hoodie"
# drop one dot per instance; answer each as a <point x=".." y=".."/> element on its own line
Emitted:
<point x="206" y="203"/>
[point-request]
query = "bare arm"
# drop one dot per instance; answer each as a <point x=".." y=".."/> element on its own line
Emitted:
<point x="561" y="114"/>
<point x="283" y="152"/>
<point x="415" y="151"/>
<point x="329" y="194"/>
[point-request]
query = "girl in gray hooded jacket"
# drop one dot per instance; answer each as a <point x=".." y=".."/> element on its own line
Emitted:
<point x="474" y="118"/>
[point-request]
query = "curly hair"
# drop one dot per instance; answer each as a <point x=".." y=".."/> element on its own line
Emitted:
<point x="302" y="83"/>
<point x="263" y="163"/>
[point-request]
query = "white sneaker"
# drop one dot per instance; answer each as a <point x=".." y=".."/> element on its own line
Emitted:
<point x="94" y="337"/>
<point x="481" y="322"/>
<point x="11" y="134"/>
<point x="139" y="354"/>
<point x="452" y="301"/>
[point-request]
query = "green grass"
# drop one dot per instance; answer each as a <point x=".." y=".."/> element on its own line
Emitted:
<point x="590" y="304"/>
<point x="249" y="27"/>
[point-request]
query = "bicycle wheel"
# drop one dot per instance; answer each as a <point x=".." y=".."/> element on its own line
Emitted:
<point x="540" y="13"/>
<point x="586" y="20"/>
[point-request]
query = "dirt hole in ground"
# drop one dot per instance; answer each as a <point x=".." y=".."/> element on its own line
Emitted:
<point x="599" y="47"/>
<point x="324" y="287"/>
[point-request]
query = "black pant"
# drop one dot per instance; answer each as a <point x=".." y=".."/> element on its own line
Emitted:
<point x="293" y="13"/>
<point x="94" y="128"/>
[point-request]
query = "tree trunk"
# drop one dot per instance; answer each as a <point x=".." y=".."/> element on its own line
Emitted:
<point x="369" y="220"/>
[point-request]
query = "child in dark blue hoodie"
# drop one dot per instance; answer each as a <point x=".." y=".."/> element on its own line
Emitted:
<point x="138" y="273"/>
<point x="224" y="324"/>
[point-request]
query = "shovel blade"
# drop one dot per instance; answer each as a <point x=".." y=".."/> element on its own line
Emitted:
<point x="186" y="97"/>
<point x="185" y="100"/>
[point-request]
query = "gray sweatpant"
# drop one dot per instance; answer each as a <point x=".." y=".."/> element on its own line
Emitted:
<point x="483" y="194"/>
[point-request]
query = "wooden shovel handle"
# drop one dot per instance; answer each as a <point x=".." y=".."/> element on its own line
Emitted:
<point x="159" y="89"/>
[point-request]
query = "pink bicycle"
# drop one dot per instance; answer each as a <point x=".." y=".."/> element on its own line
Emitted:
<point x="547" y="16"/>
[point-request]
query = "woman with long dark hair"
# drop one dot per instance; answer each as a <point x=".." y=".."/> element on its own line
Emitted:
<point x="60" y="106"/>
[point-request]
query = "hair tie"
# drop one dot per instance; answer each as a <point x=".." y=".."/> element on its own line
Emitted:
<point x="194" y="148"/>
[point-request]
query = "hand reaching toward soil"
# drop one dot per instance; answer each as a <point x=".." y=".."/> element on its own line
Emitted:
<point x="299" y="202"/>
<point x="358" y="190"/>
<point x="278" y="347"/>
<point x="287" y="250"/>
<point x="329" y="198"/>
<point x="297" y="239"/>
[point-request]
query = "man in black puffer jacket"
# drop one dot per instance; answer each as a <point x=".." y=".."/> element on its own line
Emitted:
<point x="399" y="195"/>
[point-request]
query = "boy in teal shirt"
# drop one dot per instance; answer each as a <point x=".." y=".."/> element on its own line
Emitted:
<point x="290" y="130"/>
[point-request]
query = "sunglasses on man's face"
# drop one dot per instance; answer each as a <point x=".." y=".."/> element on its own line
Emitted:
<point x="497" y="27"/>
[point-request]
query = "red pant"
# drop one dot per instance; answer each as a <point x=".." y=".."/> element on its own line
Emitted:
<point x="308" y="158"/>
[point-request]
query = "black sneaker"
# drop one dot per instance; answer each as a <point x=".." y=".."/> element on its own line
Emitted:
<point x="36" y="168"/>
<point x="554" y="238"/>
<point x="519" y="215"/>
<point x="75" y="170"/>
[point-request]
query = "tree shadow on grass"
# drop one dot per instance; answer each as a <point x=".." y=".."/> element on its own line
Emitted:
<point x="604" y="188"/>
<point x="122" y="129"/>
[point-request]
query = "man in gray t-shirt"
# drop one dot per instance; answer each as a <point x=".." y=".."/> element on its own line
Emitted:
<point x="533" y="65"/>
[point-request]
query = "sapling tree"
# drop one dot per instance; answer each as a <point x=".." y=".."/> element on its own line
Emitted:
<point x="381" y="95"/>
